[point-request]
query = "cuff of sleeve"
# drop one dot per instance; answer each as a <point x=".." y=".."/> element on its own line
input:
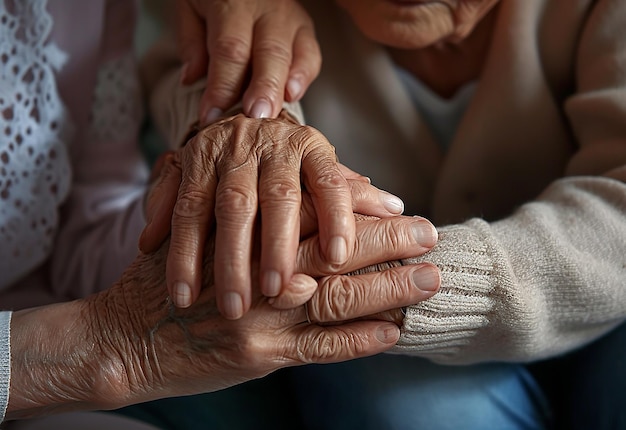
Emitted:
<point x="174" y="108"/>
<point x="441" y="326"/>
<point x="5" y="361"/>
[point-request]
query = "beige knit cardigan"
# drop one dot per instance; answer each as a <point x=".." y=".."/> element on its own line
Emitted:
<point x="530" y="199"/>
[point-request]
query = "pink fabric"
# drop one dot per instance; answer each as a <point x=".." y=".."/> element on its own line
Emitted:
<point x="101" y="220"/>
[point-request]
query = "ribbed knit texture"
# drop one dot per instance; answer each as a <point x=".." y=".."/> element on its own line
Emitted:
<point x="546" y="280"/>
<point x="440" y="326"/>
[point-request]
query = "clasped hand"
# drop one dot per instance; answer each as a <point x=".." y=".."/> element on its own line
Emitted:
<point x="231" y="171"/>
<point x="191" y="350"/>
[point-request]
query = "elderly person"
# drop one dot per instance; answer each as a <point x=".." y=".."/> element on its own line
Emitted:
<point x="503" y="122"/>
<point x="73" y="183"/>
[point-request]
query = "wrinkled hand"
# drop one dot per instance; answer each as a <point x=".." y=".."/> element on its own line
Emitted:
<point x="229" y="171"/>
<point x="128" y="344"/>
<point x="186" y="351"/>
<point x="271" y="43"/>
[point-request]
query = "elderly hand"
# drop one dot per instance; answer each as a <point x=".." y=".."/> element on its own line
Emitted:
<point x="270" y="42"/>
<point x="230" y="170"/>
<point x="129" y="344"/>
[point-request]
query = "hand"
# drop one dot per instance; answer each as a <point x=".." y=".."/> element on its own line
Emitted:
<point x="128" y="344"/>
<point x="268" y="165"/>
<point x="270" y="42"/>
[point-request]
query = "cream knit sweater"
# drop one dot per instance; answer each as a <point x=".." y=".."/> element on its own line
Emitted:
<point x="530" y="198"/>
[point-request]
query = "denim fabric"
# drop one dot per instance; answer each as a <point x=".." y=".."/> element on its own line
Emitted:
<point x="582" y="390"/>
<point x="264" y="404"/>
<point x="587" y="388"/>
<point x="399" y="392"/>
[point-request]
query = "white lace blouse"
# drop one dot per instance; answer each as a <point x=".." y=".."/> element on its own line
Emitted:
<point x="71" y="173"/>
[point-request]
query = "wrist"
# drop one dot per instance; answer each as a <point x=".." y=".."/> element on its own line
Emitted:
<point x="57" y="365"/>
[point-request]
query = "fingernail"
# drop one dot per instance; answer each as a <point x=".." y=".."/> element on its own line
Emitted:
<point x="426" y="278"/>
<point x="337" y="250"/>
<point x="392" y="203"/>
<point x="294" y="88"/>
<point x="271" y="283"/>
<point x="261" y="109"/>
<point x="182" y="295"/>
<point x="387" y="333"/>
<point x="232" y="305"/>
<point x="425" y="233"/>
<point x="212" y="115"/>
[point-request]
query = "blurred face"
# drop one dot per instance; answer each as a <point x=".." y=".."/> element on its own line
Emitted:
<point x="412" y="24"/>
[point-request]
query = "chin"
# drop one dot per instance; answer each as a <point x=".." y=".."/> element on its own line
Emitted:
<point x="408" y="24"/>
<point x="407" y="35"/>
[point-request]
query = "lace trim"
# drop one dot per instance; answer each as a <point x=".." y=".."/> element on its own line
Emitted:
<point x="34" y="124"/>
<point x="116" y="110"/>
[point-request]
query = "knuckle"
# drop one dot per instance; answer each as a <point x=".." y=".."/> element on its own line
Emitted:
<point x="280" y="192"/>
<point x="329" y="179"/>
<point x="310" y="137"/>
<point x="180" y="253"/>
<point x="331" y="345"/>
<point x="359" y="192"/>
<point x="190" y="205"/>
<point x="337" y="301"/>
<point x="250" y="348"/>
<point x="231" y="49"/>
<point x="275" y="49"/>
<point x="235" y="200"/>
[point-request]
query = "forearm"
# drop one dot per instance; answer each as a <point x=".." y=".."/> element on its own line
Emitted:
<point x="544" y="281"/>
<point x="57" y="365"/>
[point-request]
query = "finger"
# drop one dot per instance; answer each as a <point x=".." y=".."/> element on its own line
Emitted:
<point x="235" y="213"/>
<point x="160" y="206"/>
<point x="366" y="200"/>
<point x="331" y="344"/>
<point x="376" y="241"/>
<point x="271" y="60"/>
<point x="305" y="64"/>
<point x="332" y="200"/>
<point x="299" y="290"/>
<point x="192" y="216"/>
<point x="191" y="36"/>
<point x="279" y="199"/>
<point x="342" y="298"/>
<point x="229" y="43"/>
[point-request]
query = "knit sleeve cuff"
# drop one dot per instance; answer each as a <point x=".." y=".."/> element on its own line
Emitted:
<point x="174" y="108"/>
<point x="441" y="326"/>
<point x="5" y="361"/>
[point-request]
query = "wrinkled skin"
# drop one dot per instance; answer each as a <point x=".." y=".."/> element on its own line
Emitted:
<point x="231" y="170"/>
<point x="416" y="24"/>
<point x="129" y="344"/>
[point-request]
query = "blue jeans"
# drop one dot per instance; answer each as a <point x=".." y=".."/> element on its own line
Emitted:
<point x="587" y="388"/>
<point x="385" y="392"/>
<point x="399" y="392"/>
